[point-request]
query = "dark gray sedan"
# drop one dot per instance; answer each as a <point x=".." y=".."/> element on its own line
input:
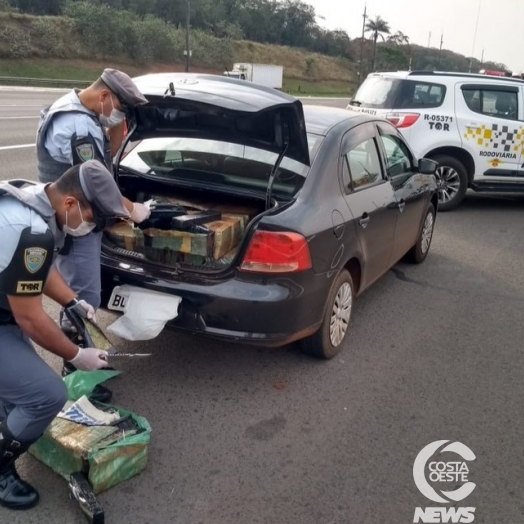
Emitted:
<point x="270" y="217"/>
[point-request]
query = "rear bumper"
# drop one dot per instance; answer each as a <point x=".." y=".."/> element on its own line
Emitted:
<point x="253" y="309"/>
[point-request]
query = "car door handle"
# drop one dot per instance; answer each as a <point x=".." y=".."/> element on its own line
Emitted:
<point x="364" y="220"/>
<point x="401" y="205"/>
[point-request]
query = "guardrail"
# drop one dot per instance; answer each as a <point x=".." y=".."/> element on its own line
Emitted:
<point x="42" y="82"/>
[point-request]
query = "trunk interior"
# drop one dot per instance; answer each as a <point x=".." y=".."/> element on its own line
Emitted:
<point x="189" y="228"/>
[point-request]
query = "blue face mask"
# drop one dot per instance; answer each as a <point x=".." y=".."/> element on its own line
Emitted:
<point x="82" y="230"/>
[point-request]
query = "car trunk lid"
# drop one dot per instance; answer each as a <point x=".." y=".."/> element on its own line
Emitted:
<point x="220" y="109"/>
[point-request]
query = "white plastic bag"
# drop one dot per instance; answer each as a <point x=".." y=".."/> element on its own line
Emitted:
<point x="146" y="313"/>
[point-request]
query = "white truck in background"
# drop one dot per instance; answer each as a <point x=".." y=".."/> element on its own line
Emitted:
<point x="264" y="74"/>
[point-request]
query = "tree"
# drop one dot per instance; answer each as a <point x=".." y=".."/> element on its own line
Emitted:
<point x="398" y="38"/>
<point x="377" y="27"/>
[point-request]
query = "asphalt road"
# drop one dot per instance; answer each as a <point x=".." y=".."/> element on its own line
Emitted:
<point x="243" y="435"/>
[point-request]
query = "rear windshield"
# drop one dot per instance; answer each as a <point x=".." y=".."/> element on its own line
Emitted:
<point x="216" y="162"/>
<point x="391" y="93"/>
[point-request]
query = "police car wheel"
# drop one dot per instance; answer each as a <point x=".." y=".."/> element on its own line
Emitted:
<point x="452" y="182"/>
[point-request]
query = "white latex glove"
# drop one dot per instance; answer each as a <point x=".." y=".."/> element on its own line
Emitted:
<point x="90" y="359"/>
<point x="140" y="212"/>
<point x="84" y="309"/>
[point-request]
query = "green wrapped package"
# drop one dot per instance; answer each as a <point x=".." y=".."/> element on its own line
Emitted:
<point x="82" y="383"/>
<point x="108" y="455"/>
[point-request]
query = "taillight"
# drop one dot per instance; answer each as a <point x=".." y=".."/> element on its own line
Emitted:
<point x="401" y="120"/>
<point x="277" y="252"/>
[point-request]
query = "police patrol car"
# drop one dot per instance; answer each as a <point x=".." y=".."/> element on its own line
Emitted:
<point x="472" y="124"/>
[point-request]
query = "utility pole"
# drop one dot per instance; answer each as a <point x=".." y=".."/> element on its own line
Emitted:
<point x="440" y="50"/>
<point x="429" y="39"/>
<point x="482" y="60"/>
<point x="475" y="37"/>
<point x="364" y="16"/>
<point x="188" y="20"/>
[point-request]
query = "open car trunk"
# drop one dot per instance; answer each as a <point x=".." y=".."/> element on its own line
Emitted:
<point x="204" y="131"/>
<point x="187" y="229"/>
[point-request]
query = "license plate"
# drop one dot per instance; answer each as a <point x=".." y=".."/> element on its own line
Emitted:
<point x="118" y="300"/>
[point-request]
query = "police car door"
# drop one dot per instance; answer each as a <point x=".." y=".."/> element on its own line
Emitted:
<point x="488" y="119"/>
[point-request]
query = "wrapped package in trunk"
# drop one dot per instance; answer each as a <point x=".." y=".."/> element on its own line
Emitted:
<point x="126" y="236"/>
<point x="197" y="233"/>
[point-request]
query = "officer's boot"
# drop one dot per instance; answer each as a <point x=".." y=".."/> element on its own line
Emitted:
<point x="100" y="393"/>
<point x="15" y="493"/>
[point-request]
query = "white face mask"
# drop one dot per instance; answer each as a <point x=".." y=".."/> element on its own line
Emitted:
<point x="116" y="117"/>
<point x="82" y="230"/>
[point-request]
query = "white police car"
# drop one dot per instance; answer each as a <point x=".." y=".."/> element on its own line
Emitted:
<point x="472" y="124"/>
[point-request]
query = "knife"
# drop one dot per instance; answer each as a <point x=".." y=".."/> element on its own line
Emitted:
<point x="114" y="353"/>
<point x="130" y="354"/>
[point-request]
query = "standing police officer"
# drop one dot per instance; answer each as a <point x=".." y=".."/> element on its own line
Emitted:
<point x="81" y="126"/>
<point x="33" y="223"/>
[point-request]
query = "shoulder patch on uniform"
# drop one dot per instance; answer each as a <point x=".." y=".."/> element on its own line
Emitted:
<point x="85" y="152"/>
<point x="34" y="258"/>
<point x="29" y="287"/>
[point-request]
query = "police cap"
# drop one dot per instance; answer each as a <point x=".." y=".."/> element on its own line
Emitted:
<point x="102" y="193"/>
<point x="123" y="87"/>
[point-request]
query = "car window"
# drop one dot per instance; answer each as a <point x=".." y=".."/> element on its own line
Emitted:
<point x="389" y="93"/>
<point x="364" y="165"/>
<point x="414" y="95"/>
<point x="498" y="104"/>
<point x="377" y="92"/>
<point x="399" y="161"/>
<point x="207" y="160"/>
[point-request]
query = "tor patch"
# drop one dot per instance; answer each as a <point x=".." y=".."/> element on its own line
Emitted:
<point x="34" y="258"/>
<point x="85" y="152"/>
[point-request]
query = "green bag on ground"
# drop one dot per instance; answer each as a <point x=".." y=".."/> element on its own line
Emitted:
<point x="106" y="454"/>
<point x="82" y="383"/>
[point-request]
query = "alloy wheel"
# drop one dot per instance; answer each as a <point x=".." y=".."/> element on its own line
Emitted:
<point x="448" y="181"/>
<point x="341" y="314"/>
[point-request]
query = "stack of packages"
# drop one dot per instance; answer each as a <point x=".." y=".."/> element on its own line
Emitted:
<point x="106" y="444"/>
<point x="212" y="241"/>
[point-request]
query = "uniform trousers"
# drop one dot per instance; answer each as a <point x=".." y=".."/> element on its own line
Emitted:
<point x="31" y="393"/>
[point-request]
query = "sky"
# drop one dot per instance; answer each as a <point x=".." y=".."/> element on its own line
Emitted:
<point x="500" y="24"/>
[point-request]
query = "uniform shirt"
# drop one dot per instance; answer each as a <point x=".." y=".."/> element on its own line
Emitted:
<point x="66" y="125"/>
<point x="25" y="258"/>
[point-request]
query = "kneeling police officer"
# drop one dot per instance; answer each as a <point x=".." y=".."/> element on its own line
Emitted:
<point x="33" y="223"/>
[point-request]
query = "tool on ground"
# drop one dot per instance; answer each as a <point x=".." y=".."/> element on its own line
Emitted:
<point x="117" y="354"/>
<point x="80" y="490"/>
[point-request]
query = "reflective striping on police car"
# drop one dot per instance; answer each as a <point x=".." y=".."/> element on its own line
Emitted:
<point x="503" y="141"/>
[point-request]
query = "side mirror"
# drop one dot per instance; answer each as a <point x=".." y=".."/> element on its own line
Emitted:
<point x="427" y="166"/>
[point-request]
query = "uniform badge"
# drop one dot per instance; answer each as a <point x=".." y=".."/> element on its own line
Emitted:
<point x="85" y="152"/>
<point x="34" y="258"/>
<point x="30" y="287"/>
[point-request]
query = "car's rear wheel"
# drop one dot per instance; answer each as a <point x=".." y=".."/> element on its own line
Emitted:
<point x="452" y="181"/>
<point x="328" y="340"/>
<point x="418" y="253"/>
